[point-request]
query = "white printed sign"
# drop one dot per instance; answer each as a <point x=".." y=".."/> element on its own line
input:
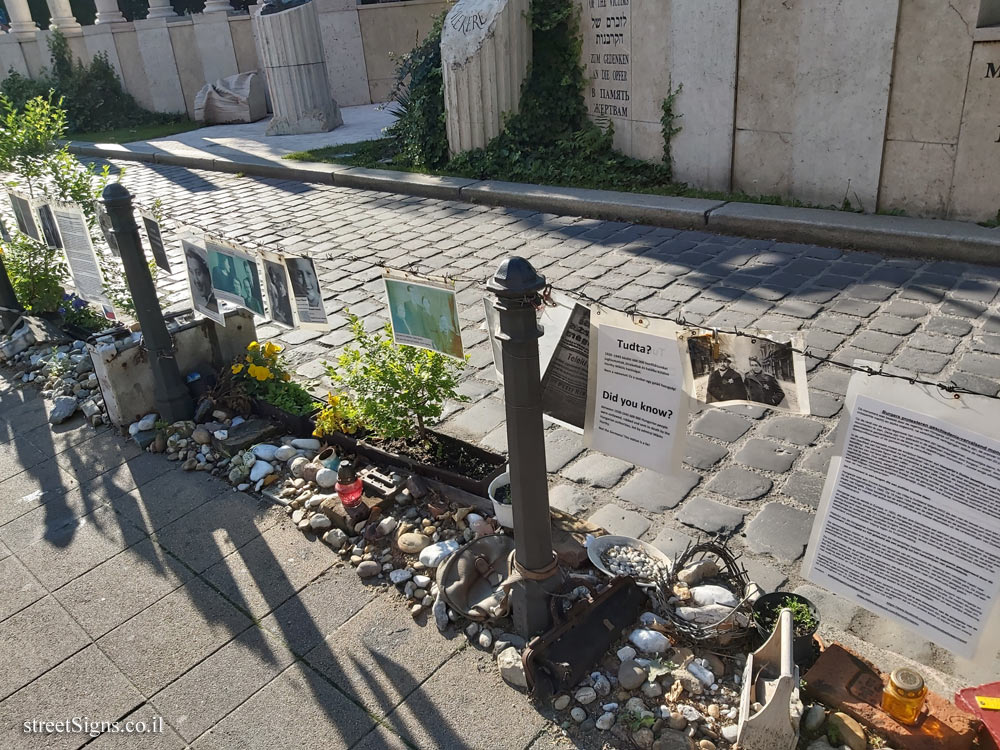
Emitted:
<point x="636" y="405"/>
<point x="909" y="522"/>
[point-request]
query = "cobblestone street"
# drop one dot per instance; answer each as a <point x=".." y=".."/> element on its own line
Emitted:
<point x="751" y="474"/>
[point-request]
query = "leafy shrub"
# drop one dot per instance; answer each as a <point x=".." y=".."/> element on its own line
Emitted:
<point x="36" y="272"/>
<point x="264" y="375"/>
<point x="395" y="389"/>
<point x="339" y="414"/>
<point x="419" y="131"/>
<point x="78" y="312"/>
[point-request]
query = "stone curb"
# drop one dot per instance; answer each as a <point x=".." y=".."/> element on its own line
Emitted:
<point x="899" y="235"/>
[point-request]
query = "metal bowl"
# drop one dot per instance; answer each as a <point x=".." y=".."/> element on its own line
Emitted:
<point x="601" y="543"/>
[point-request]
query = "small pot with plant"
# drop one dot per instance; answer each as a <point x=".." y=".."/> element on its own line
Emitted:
<point x="394" y="392"/>
<point x="264" y="374"/>
<point x="805" y="619"/>
<point x="499" y="491"/>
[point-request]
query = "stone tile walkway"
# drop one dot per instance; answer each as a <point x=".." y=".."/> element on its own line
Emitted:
<point x="762" y="466"/>
<point x="130" y="590"/>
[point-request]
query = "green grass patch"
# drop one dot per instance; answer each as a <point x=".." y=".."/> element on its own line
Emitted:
<point x="137" y="132"/>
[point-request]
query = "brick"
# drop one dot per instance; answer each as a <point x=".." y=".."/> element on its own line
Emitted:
<point x="919" y="361"/>
<point x="795" y="430"/>
<point x="906" y="309"/>
<point x="824" y="405"/>
<point x="780" y="531"/>
<point x="882" y="343"/>
<point x="980" y="364"/>
<point x="656" y="493"/>
<point x="893" y="324"/>
<point x="962" y="308"/>
<point x="702" y="454"/>
<point x="710" y="516"/>
<point x="804" y="488"/>
<point x="739" y="484"/>
<point x="940" y="344"/>
<point x="615" y="519"/>
<point x="561" y="447"/>
<point x="857" y="308"/>
<point x="767" y="456"/>
<point x="722" y="426"/>
<point x="598" y="470"/>
<point x="570" y="498"/>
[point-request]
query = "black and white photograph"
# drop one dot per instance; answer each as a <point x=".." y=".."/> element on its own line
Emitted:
<point x="203" y="297"/>
<point x="306" y="291"/>
<point x="155" y="240"/>
<point x="4" y="232"/>
<point x="276" y="283"/>
<point x="234" y="276"/>
<point x="50" y="232"/>
<point x="104" y="221"/>
<point x="424" y="313"/>
<point x="24" y="216"/>
<point x="727" y="369"/>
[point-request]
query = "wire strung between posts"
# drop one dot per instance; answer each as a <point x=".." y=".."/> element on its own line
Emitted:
<point x="633" y="310"/>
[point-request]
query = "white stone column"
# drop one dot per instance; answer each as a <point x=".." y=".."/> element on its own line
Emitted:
<point x="62" y="15"/>
<point x="485" y="55"/>
<point x="217" y="6"/>
<point x="160" y="9"/>
<point x="291" y="51"/>
<point x="108" y="12"/>
<point x="20" y="17"/>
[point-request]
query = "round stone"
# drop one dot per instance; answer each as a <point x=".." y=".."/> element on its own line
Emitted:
<point x="606" y="721"/>
<point x="578" y="714"/>
<point x="412" y="542"/>
<point x="586" y="695"/>
<point x="369" y="568"/>
<point x="631" y="674"/>
<point x="561" y="703"/>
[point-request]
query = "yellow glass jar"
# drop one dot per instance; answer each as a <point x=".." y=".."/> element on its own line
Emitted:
<point x="903" y="698"/>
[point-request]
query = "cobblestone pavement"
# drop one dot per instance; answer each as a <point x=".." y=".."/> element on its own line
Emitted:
<point x="751" y="473"/>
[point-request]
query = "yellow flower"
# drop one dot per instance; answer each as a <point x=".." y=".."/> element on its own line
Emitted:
<point x="237" y="369"/>
<point x="253" y="346"/>
<point x="286" y="377"/>
<point x="262" y="374"/>
<point x="271" y="349"/>
<point x="248" y="359"/>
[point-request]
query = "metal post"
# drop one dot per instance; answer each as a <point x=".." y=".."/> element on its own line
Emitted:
<point x="10" y="308"/>
<point x="173" y="402"/>
<point x="517" y="284"/>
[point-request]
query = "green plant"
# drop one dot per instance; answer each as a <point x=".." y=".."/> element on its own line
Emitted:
<point x="288" y="396"/>
<point x="36" y="272"/>
<point x="634" y="720"/>
<point x="419" y="131"/>
<point x="338" y="414"/>
<point x="801" y="613"/>
<point x="396" y="389"/>
<point x="263" y="374"/>
<point x="668" y="124"/>
<point x="78" y="312"/>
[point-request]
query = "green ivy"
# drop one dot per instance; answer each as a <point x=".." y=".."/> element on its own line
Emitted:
<point x="668" y="123"/>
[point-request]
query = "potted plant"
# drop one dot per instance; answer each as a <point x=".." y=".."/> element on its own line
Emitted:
<point x="265" y="377"/>
<point x="499" y="491"/>
<point x="394" y="392"/>
<point x="805" y="619"/>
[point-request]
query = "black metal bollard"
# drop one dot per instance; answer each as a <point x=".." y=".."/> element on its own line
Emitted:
<point x="516" y="285"/>
<point x="173" y="402"/>
<point x="10" y="308"/>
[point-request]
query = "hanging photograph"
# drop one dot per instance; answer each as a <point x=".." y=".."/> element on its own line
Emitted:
<point x="728" y="369"/>
<point x="4" y="232"/>
<point x="104" y="221"/>
<point x="71" y="224"/>
<point x="234" y="276"/>
<point x="306" y="291"/>
<point x="423" y="313"/>
<point x="155" y="240"/>
<point x="276" y="283"/>
<point x="47" y="222"/>
<point x="203" y="297"/>
<point x="24" y="216"/>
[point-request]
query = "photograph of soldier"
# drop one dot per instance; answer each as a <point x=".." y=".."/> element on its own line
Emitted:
<point x="726" y="369"/>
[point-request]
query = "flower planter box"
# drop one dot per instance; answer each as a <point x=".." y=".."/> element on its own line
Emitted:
<point x="476" y="485"/>
<point x="298" y="425"/>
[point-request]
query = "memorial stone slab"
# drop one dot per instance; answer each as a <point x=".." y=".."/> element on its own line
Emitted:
<point x="656" y="492"/>
<point x="780" y="531"/>
<point x="710" y="516"/>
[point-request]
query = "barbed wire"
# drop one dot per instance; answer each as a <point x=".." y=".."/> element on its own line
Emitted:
<point x="544" y="298"/>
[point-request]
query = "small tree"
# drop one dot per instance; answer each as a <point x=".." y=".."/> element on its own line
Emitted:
<point x="36" y="272"/>
<point x="396" y="389"/>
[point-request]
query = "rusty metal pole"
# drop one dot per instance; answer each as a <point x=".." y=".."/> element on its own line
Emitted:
<point x="173" y="401"/>
<point x="517" y="285"/>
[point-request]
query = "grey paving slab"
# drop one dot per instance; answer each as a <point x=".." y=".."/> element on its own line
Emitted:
<point x="804" y="488"/>
<point x="570" y="498"/>
<point x="597" y="470"/>
<point x="561" y="447"/>
<point x="824" y="404"/>
<point x="655" y="492"/>
<point x="739" y="484"/>
<point x="721" y="425"/>
<point x="299" y="708"/>
<point x="948" y="326"/>
<point x="438" y="714"/>
<point x="672" y="542"/>
<point x="477" y="420"/>
<point x="33" y="641"/>
<point x="18" y="455"/>
<point x="97" y="455"/>
<point x="710" y="516"/>
<point x="321" y="607"/>
<point x="920" y="361"/>
<point x="159" y="734"/>
<point x="261" y="575"/>
<point x="217" y="527"/>
<point x="894" y="325"/>
<point x="381" y="738"/>
<point x="621" y="521"/>
<point x="54" y="439"/>
<point x="4" y="551"/>
<point x="85" y="685"/>
<point x="18" y="588"/>
<point x="163" y="500"/>
<point x="73" y="549"/>
<point x="767" y="455"/>
<point x="768" y="577"/>
<point x="703" y="454"/>
<point x="117" y="589"/>
<point x="170" y="637"/>
<point x="780" y="531"/>
<point x="194" y="701"/>
<point x="378" y="657"/>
